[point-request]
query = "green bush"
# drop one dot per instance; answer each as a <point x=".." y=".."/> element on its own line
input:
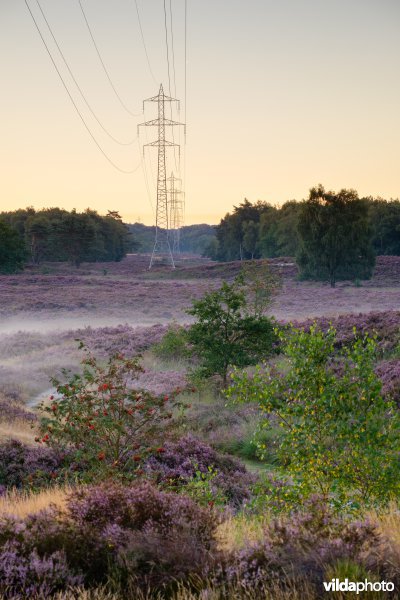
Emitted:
<point x="174" y="345"/>
<point x="227" y="333"/>
<point x="338" y="435"/>
<point x="109" y="425"/>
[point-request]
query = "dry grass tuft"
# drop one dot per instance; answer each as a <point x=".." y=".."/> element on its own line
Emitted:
<point x="21" y="504"/>
<point x="294" y="591"/>
<point x="238" y="531"/>
<point x="17" y="430"/>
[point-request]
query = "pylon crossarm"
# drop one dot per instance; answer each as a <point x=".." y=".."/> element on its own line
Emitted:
<point x="157" y="143"/>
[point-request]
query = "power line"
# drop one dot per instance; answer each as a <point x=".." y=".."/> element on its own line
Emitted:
<point x="144" y="43"/>
<point x="146" y="179"/>
<point x="185" y="91"/>
<point x="104" y="66"/>
<point x="172" y="46"/>
<point x="77" y="84"/>
<point x="174" y="77"/>
<point x="153" y="179"/>
<point x="166" y="43"/>
<point x="73" y="101"/>
<point x="185" y="114"/>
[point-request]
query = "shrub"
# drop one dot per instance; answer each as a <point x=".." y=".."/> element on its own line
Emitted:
<point x="186" y="461"/>
<point x="101" y="415"/>
<point x="116" y="534"/>
<point x="226" y="333"/>
<point x="11" y="411"/>
<point x="383" y="325"/>
<point x="22" y="465"/>
<point x="303" y="544"/>
<point x="174" y="345"/>
<point x="388" y="372"/>
<point x="24" y="576"/>
<point x="338" y="434"/>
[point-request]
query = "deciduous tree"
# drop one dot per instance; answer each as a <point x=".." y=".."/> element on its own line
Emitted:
<point x="335" y="237"/>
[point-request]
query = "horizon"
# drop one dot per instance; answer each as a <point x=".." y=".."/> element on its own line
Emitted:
<point x="279" y="97"/>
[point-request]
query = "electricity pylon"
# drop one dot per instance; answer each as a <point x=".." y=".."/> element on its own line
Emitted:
<point x="176" y="212"/>
<point x="162" y="246"/>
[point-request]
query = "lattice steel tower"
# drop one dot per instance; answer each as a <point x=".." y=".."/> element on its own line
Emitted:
<point x="162" y="247"/>
<point x="176" y="212"/>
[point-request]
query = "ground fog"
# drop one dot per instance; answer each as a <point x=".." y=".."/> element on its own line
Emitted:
<point x="123" y="306"/>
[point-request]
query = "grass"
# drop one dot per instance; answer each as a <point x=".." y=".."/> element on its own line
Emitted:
<point x="293" y="592"/>
<point x="18" y="429"/>
<point x="240" y="530"/>
<point x="21" y="504"/>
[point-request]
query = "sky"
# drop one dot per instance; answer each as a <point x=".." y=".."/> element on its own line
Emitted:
<point x="280" y="96"/>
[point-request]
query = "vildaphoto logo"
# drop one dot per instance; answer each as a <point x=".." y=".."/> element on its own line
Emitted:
<point x="336" y="585"/>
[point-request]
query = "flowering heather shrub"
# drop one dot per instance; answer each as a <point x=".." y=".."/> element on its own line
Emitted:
<point x="129" y="298"/>
<point x="132" y="533"/>
<point x="154" y="537"/>
<point x="386" y="325"/>
<point x="24" y="576"/>
<point x="123" y="339"/>
<point x="388" y="372"/>
<point x="302" y="544"/>
<point x="387" y="271"/>
<point x="182" y="460"/>
<point x="22" y="465"/>
<point x="161" y="382"/>
<point x="21" y="343"/>
<point x="11" y="411"/>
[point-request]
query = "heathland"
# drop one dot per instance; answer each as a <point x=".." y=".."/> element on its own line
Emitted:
<point x="214" y="506"/>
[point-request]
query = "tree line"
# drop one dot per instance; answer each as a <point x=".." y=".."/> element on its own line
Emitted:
<point x="332" y="235"/>
<point x="194" y="239"/>
<point x="54" y="234"/>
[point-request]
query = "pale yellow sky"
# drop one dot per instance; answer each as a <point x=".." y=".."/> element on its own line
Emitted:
<point x="280" y="96"/>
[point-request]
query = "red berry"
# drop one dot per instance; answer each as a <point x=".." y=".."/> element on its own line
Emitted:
<point x="101" y="456"/>
<point x="160" y="450"/>
<point x="137" y="458"/>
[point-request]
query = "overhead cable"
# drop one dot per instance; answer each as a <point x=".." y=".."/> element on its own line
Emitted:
<point x="78" y="86"/>
<point x="172" y="47"/>
<point x="103" y="64"/>
<point x="166" y="44"/>
<point x="185" y="112"/>
<point x="73" y="101"/>
<point x="177" y="168"/>
<point x="144" y="43"/>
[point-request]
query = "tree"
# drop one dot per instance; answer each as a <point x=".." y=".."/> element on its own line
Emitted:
<point x="338" y="434"/>
<point x="335" y="237"/>
<point x="385" y="223"/>
<point x="226" y="334"/>
<point x="232" y="230"/>
<point x="250" y="237"/>
<point x="76" y="233"/>
<point x="12" y="249"/>
<point x="37" y="229"/>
